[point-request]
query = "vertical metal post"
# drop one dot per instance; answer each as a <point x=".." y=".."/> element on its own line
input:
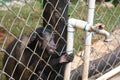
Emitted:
<point x="70" y="42"/>
<point x="88" y="40"/>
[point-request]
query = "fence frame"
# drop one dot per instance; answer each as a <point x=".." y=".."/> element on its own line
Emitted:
<point x="91" y="6"/>
<point x="109" y="74"/>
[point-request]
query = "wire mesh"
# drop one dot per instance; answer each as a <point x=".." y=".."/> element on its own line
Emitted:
<point x="19" y="18"/>
<point x="20" y="22"/>
<point x="104" y="56"/>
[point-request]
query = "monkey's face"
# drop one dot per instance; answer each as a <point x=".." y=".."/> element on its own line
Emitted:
<point x="48" y="42"/>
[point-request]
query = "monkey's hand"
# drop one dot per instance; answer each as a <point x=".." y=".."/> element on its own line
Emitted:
<point x="66" y="58"/>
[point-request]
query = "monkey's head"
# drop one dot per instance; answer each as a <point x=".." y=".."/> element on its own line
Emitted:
<point x="45" y="39"/>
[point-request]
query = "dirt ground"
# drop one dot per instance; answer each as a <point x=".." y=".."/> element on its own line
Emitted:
<point x="99" y="49"/>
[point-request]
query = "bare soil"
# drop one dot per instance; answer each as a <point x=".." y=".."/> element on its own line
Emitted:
<point x="99" y="49"/>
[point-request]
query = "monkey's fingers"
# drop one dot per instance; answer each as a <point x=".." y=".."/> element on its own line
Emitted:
<point x="70" y="57"/>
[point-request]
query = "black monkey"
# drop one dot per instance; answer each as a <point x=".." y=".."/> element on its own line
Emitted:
<point x="25" y="51"/>
<point x="26" y="57"/>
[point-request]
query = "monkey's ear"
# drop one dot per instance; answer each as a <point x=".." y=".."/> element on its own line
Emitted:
<point x="32" y="37"/>
<point x="35" y="36"/>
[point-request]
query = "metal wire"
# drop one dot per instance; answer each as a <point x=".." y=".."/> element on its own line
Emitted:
<point x="24" y="18"/>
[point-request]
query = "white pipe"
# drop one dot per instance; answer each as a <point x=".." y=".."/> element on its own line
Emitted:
<point x="72" y="23"/>
<point x="91" y="6"/>
<point x="86" y="27"/>
<point x="102" y="32"/>
<point x="76" y="23"/>
<point x="109" y="74"/>
<point x="70" y="42"/>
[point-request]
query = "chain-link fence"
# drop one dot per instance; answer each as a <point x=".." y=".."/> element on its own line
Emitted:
<point x="104" y="56"/>
<point x="33" y="39"/>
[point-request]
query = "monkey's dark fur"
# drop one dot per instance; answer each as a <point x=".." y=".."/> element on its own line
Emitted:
<point x="30" y="57"/>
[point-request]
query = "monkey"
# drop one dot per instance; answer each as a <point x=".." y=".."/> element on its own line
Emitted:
<point x="26" y="57"/>
<point x="100" y="65"/>
<point x="26" y="49"/>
